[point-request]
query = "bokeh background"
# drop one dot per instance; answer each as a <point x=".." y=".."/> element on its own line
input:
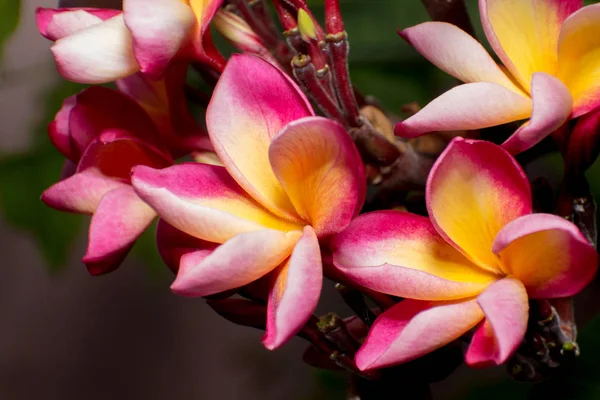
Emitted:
<point x="66" y="335"/>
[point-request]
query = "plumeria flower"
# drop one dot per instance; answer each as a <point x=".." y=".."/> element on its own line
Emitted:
<point x="474" y="263"/>
<point x="549" y="74"/>
<point x="103" y="133"/>
<point x="289" y="179"/>
<point x="101" y="45"/>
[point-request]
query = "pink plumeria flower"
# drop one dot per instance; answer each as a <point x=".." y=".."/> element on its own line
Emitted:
<point x="104" y="133"/>
<point x="290" y="179"/>
<point x="101" y="45"/>
<point x="547" y="47"/>
<point x="474" y="263"/>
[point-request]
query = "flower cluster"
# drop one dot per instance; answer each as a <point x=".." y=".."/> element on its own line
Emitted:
<point x="277" y="208"/>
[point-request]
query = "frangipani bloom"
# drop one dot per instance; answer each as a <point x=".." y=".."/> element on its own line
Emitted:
<point x="290" y="179"/>
<point x="101" y="45"/>
<point x="550" y="74"/>
<point x="472" y="264"/>
<point x="103" y="134"/>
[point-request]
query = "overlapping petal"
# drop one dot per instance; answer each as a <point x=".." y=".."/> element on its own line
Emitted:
<point x="100" y="53"/>
<point x="506" y="308"/>
<point x="552" y="105"/>
<point x="467" y="107"/>
<point x="474" y="189"/>
<point x="548" y="254"/>
<point x="121" y="217"/>
<point x="579" y="58"/>
<point x="524" y="33"/>
<point x="57" y="23"/>
<point x="239" y="261"/>
<point x="295" y="291"/>
<point x="401" y="254"/>
<point x="457" y="53"/>
<point x="321" y="171"/>
<point x="160" y="28"/>
<point x="413" y="328"/>
<point x="59" y="130"/>
<point x="252" y="101"/>
<point x="203" y="201"/>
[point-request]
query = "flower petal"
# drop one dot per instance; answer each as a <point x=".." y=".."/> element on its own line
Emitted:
<point x="524" y="33"/>
<point x="60" y="133"/>
<point x="121" y="217"/>
<point x="474" y="189"/>
<point x="252" y="101"/>
<point x="466" y="107"/>
<point x="100" y="53"/>
<point x="548" y="254"/>
<point x="160" y="28"/>
<point x="457" y="53"/>
<point x="321" y="171"/>
<point x="578" y="58"/>
<point x="239" y="261"/>
<point x="56" y="23"/>
<point x="295" y="291"/>
<point x="413" y="328"/>
<point x="401" y="254"/>
<point x="173" y="244"/>
<point x="203" y="201"/>
<point x="552" y="104"/>
<point x="506" y="308"/>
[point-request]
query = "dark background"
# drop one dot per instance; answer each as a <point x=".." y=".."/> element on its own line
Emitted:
<point x="66" y="335"/>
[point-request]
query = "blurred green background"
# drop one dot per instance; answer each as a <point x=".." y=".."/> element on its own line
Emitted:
<point x="125" y="336"/>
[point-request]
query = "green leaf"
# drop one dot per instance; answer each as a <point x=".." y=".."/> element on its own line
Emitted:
<point x="9" y="19"/>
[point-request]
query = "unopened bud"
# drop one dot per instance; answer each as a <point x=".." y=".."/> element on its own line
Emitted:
<point x="240" y="34"/>
<point x="306" y="25"/>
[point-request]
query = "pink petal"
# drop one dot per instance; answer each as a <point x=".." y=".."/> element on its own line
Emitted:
<point x="239" y="261"/>
<point x="60" y="133"/>
<point x="413" y="328"/>
<point x="548" y="254"/>
<point x="254" y="97"/>
<point x="467" y="107"/>
<point x="98" y="54"/>
<point x="81" y="193"/>
<point x="121" y="217"/>
<point x="457" y="53"/>
<point x="552" y="104"/>
<point x="474" y="189"/>
<point x="401" y="254"/>
<point x="203" y="201"/>
<point x="321" y="171"/>
<point x="578" y="61"/>
<point x="160" y="28"/>
<point x="55" y="23"/>
<point x="99" y="109"/>
<point x="525" y="34"/>
<point x="173" y="244"/>
<point x="295" y="291"/>
<point x="506" y="308"/>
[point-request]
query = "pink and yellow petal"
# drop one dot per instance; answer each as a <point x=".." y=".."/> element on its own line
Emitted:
<point x="203" y="201"/>
<point x="413" y="328"/>
<point x="552" y="105"/>
<point x="252" y="101"/>
<point x="525" y="34"/>
<point x="467" y="107"/>
<point x="457" y="53"/>
<point x="506" y="308"/>
<point x="160" y="29"/>
<point x="97" y="54"/>
<point x="474" y="189"/>
<point x="239" y="261"/>
<point x="321" y="171"/>
<point x="119" y="220"/>
<point x="295" y="291"/>
<point x="548" y="254"/>
<point x="401" y="254"/>
<point x="579" y="58"/>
